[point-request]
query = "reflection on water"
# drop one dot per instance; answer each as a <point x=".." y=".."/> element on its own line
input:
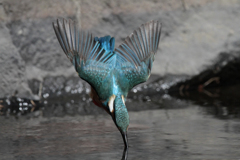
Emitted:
<point x="224" y="102"/>
<point x="161" y="127"/>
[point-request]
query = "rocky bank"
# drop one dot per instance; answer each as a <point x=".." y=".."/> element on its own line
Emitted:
<point x="194" y="33"/>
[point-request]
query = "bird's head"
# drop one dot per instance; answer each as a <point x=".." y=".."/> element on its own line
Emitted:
<point x="119" y="114"/>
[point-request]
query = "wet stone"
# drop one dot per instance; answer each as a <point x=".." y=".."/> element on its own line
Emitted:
<point x="34" y="85"/>
<point x="70" y="109"/>
<point x="58" y="110"/>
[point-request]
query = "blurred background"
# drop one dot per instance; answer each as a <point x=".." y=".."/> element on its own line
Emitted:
<point x="194" y="86"/>
<point x="194" y="34"/>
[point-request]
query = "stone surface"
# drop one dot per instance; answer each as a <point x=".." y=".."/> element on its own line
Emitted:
<point x="199" y="40"/>
<point x="12" y="67"/>
<point x="193" y="34"/>
<point x="37" y="45"/>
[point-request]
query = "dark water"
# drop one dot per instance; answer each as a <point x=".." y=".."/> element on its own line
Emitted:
<point x="184" y="126"/>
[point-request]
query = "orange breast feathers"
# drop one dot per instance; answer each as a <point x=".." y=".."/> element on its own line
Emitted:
<point x="96" y="100"/>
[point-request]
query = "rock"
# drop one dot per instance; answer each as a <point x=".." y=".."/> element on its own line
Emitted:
<point x="194" y="33"/>
<point x="224" y="72"/>
<point x="197" y="41"/>
<point x="37" y="44"/>
<point x="12" y="67"/>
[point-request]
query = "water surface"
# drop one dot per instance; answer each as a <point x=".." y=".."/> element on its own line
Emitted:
<point x="167" y="128"/>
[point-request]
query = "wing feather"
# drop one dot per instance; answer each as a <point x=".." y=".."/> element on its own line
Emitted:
<point x="136" y="53"/>
<point x="83" y="51"/>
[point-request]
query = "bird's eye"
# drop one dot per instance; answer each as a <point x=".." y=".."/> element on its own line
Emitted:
<point x="110" y="103"/>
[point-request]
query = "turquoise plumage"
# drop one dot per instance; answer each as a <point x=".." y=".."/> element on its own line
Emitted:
<point x="112" y="73"/>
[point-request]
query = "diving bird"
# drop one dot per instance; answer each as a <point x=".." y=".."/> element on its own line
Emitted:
<point x="111" y="72"/>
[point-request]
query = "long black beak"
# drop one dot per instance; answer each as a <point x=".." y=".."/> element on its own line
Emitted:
<point x="125" y="151"/>
<point x="125" y="139"/>
<point x="125" y="154"/>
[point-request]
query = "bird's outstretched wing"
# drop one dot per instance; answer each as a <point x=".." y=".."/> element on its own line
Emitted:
<point x="136" y="53"/>
<point x="86" y="55"/>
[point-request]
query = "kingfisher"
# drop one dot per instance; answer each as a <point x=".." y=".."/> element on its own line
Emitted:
<point x="111" y="72"/>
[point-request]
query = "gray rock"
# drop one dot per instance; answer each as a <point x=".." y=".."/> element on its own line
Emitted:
<point x="196" y="42"/>
<point x="193" y="34"/>
<point x="12" y="67"/>
<point x="37" y="44"/>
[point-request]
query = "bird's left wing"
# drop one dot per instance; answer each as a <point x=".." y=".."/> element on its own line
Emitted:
<point x="136" y="53"/>
<point x="89" y="59"/>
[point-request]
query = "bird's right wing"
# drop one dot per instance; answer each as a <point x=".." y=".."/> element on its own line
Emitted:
<point x="136" y="53"/>
<point x="89" y="59"/>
